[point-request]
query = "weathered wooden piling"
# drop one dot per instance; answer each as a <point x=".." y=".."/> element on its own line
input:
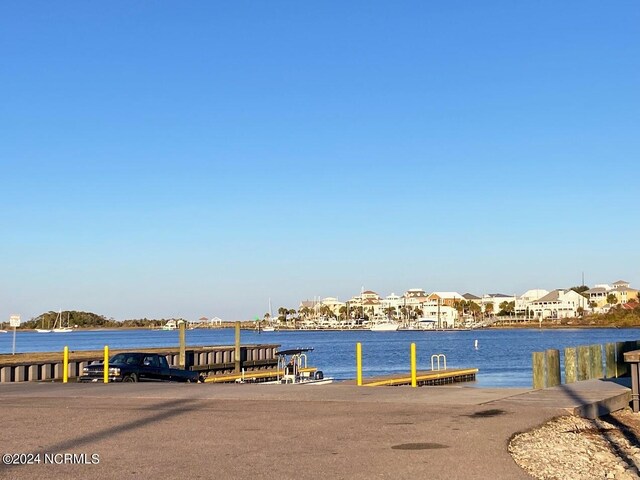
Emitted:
<point x="538" y="370"/>
<point x="237" y="359"/>
<point x="182" y="329"/>
<point x="610" y="360"/>
<point x="553" y="367"/>
<point x="570" y="366"/>
<point x="584" y="369"/>
<point x="595" y="361"/>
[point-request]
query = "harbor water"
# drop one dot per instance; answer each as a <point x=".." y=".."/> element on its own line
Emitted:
<point x="503" y="357"/>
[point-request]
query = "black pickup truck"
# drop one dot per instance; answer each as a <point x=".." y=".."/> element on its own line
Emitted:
<point x="138" y="367"/>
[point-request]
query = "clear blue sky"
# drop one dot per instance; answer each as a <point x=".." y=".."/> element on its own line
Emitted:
<point x="168" y="159"/>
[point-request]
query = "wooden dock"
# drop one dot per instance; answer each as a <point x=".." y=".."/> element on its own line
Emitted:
<point x="427" y="377"/>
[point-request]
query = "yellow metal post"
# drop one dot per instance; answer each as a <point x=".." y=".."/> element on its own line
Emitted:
<point x="414" y="382"/>
<point x="106" y="364"/>
<point x="359" y="364"/>
<point x="65" y="365"/>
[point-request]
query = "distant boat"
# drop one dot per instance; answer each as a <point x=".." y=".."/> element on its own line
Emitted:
<point x="382" y="324"/>
<point x="270" y="326"/>
<point x="43" y="330"/>
<point x="170" y="325"/>
<point x="3" y="331"/>
<point x="61" y="328"/>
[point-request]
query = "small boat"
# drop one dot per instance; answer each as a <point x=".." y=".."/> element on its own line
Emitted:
<point x="43" y="330"/>
<point x="3" y="331"/>
<point x="384" y="327"/>
<point x="293" y="364"/>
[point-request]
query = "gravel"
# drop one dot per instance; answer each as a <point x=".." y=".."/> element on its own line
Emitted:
<point x="576" y="448"/>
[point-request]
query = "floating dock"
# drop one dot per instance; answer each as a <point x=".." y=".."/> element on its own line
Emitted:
<point x="427" y="377"/>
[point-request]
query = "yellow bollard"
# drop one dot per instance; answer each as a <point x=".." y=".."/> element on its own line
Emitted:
<point x="414" y="381"/>
<point x="65" y="365"/>
<point x="359" y="364"/>
<point x="106" y="364"/>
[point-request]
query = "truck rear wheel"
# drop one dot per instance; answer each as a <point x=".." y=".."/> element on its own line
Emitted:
<point x="132" y="377"/>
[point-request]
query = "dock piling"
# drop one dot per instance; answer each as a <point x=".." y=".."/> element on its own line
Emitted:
<point x="237" y="359"/>
<point x="182" y="357"/>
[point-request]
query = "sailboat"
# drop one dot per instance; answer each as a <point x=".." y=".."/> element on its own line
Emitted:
<point x="61" y="328"/>
<point x="43" y="330"/>
<point x="269" y="327"/>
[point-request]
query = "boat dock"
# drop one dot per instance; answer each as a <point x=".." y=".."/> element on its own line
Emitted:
<point x="428" y="377"/>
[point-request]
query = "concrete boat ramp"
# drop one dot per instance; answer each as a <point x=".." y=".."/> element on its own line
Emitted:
<point x="280" y="431"/>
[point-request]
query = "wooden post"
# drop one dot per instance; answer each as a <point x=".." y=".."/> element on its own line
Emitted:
<point x="105" y="364"/>
<point x="538" y="370"/>
<point x="622" y="368"/>
<point x="182" y="329"/>
<point x="65" y="365"/>
<point x="583" y="363"/>
<point x="553" y="368"/>
<point x="359" y="364"/>
<point x="237" y="349"/>
<point x="570" y="366"/>
<point x="595" y="357"/>
<point x="610" y="360"/>
<point x="414" y="382"/>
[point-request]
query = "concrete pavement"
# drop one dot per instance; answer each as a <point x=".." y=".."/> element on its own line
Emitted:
<point x="276" y="431"/>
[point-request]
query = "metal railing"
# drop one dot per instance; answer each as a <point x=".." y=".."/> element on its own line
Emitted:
<point x="435" y="361"/>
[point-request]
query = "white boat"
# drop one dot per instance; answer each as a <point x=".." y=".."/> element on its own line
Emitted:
<point x="384" y="327"/>
<point x="3" y="331"/>
<point x="61" y="328"/>
<point x="270" y="327"/>
<point x="42" y="330"/>
<point x="293" y="364"/>
<point x="170" y="325"/>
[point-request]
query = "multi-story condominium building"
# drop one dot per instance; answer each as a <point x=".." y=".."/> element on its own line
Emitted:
<point x="560" y="303"/>
<point x="623" y="293"/>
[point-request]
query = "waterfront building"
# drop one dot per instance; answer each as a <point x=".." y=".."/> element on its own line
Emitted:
<point x="439" y="316"/>
<point x="444" y="298"/>
<point x="495" y="299"/>
<point x="524" y="301"/>
<point x="560" y="303"/>
<point x="623" y="293"/>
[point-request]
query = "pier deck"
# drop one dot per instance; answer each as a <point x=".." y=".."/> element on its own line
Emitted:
<point x="427" y="377"/>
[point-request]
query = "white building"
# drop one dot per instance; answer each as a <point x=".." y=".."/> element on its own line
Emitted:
<point x="561" y="303"/>
<point x="524" y="300"/>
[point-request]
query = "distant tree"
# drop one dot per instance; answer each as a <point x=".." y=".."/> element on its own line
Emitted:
<point x="474" y="308"/>
<point x="390" y="312"/>
<point x="488" y="308"/>
<point x="580" y="289"/>
<point x="612" y="299"/>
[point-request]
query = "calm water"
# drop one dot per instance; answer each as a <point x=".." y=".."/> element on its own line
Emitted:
<point x="503" y="356"/>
